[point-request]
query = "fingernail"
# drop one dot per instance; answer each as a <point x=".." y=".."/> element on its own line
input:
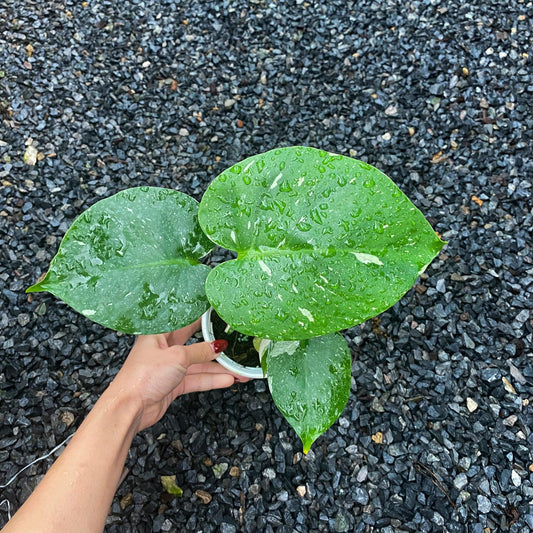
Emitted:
<point x="236" y="380"/>
<point x="219" y="346"/>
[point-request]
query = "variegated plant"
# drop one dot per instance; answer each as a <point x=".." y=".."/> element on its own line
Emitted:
<point x="323" y="242"/>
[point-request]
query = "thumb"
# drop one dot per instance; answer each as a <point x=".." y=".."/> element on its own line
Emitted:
<point x="202" y="352"/>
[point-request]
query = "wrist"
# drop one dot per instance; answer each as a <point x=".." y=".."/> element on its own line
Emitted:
<point x="124" y="404"/>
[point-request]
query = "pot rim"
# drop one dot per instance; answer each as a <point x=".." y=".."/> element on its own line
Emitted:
<point x="223" y="359"/>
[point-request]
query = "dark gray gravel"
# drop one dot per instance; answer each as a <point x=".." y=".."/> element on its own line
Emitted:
<point x="437" y="435"/>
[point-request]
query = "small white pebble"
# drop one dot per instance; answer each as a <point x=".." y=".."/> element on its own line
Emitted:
<point x="510" y="420"/>
<point x="471" y="405"/>
<point x="516" y="479"/>
<point x="460" y="481"/>
<point x="301" y="490"/>
<point x="269" y="473"/>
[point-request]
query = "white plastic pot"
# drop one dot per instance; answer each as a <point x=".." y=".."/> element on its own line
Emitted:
<point x="245" y="371"/>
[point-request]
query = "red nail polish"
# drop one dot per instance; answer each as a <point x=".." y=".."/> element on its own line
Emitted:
<point x="219" y="346"/>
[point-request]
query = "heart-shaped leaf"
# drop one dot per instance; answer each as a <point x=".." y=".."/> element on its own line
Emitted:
<point x="310" y="382"/>
<point x="130" y="262"/>
<point x="324" y="242"/>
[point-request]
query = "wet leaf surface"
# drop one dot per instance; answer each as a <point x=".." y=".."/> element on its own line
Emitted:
<point x="130" y="262"/>
<point x="310" y="382"/>
<point x="324" y="242"/>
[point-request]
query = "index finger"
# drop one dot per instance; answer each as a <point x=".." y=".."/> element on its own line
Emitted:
<point x="181" y="336"/>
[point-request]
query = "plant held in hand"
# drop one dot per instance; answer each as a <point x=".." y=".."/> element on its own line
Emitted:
<point x="324" y="242"/>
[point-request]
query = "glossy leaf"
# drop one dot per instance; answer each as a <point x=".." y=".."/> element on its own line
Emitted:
<point x="310" y="382"/>
<point x="324" y="242"/>
<point x="130" y="262"/>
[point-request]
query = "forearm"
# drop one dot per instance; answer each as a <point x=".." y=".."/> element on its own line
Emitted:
<point x="76" y="493"/>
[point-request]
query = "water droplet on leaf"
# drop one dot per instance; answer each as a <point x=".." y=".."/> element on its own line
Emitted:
<point x="303" y="226"/>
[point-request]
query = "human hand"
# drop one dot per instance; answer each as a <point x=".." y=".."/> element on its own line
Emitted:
<point x="159" y="368"/>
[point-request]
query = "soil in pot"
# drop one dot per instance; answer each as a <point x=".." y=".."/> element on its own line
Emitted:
<point x="240" y="347"/>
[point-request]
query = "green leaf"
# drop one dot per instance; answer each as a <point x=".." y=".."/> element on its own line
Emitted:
<point x="324" y="242"/>
<point x="310" y="382"/>
<point x="130" y="262"/>
<point x="169" y="484"/>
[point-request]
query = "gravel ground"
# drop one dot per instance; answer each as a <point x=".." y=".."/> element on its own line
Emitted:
<point x="101" y="95"/>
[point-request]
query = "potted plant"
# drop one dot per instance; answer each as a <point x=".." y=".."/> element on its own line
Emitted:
<point x="242" y="355"/>
<point x="323" y="242"/>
